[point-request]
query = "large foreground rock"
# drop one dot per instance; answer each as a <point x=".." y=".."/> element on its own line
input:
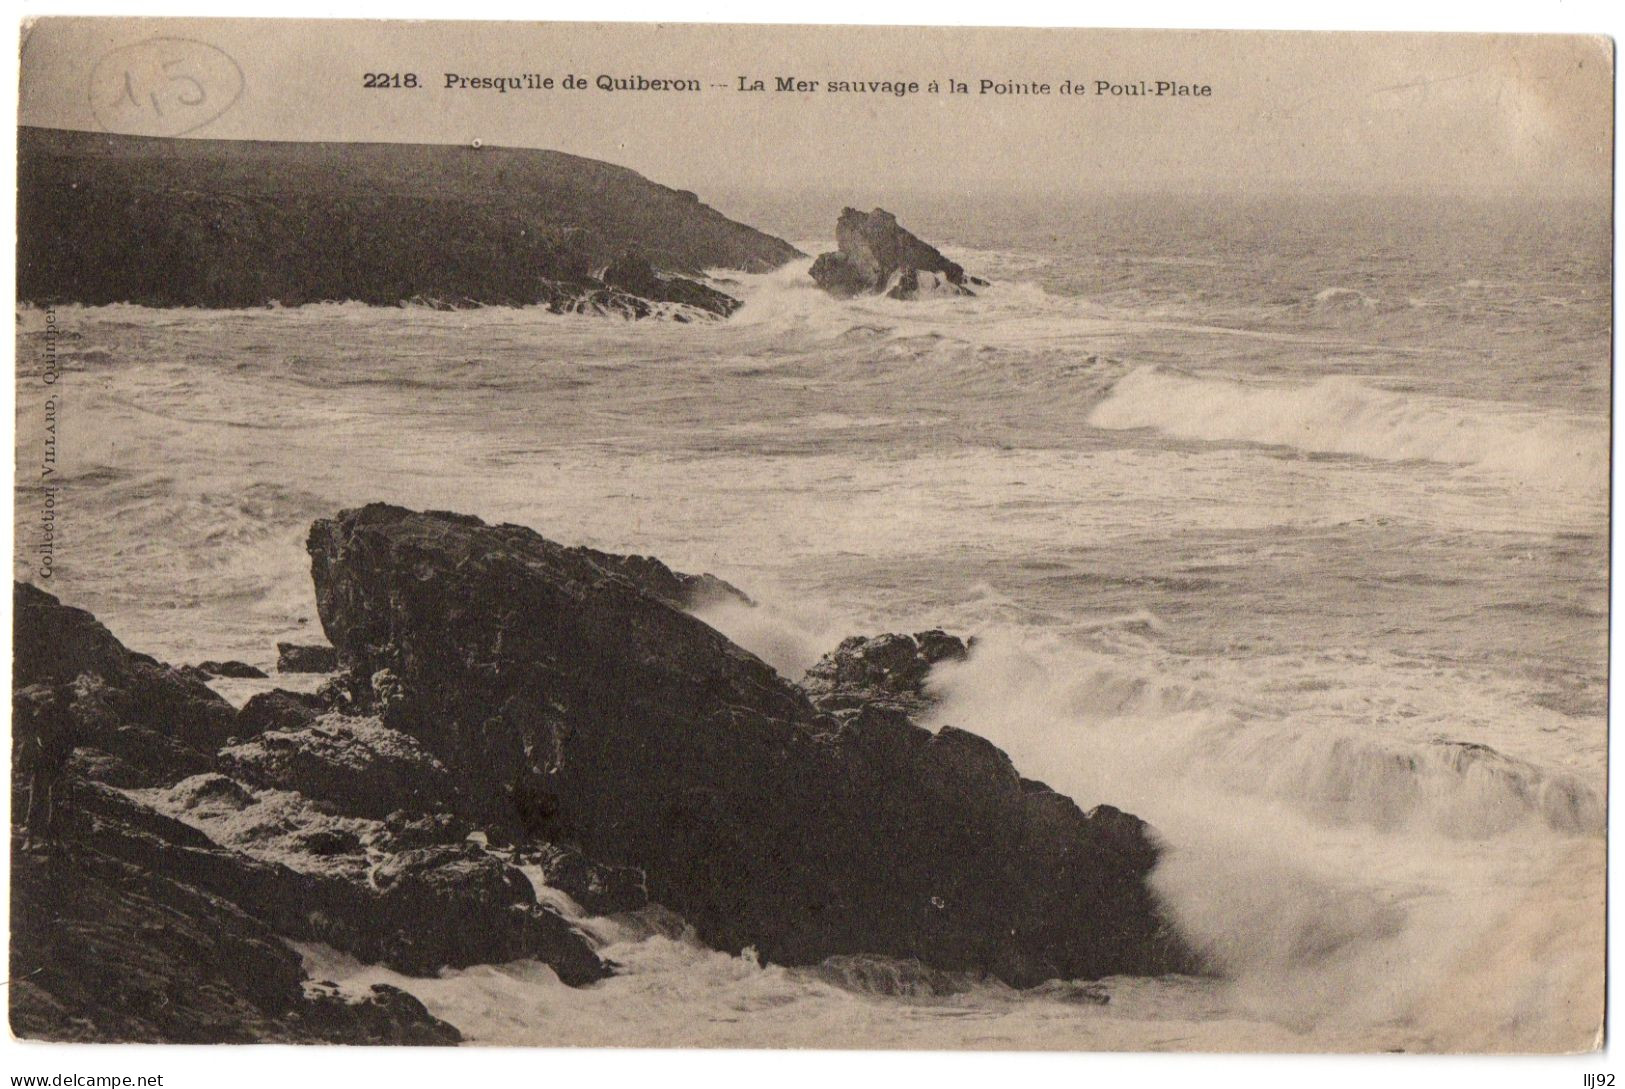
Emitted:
<point x="55" y="644"/>
<point x="876" y="256"/>
<point x="104" y="950"/>
<point x="161" y="920"/>
<point x="531" y="670"/>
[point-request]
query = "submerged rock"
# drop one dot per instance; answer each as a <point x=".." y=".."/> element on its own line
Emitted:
<point x="877" y="256"/>
<point x="631" y="272"/>
<point x="763" y="820"/>
<point x="206" y="670"/>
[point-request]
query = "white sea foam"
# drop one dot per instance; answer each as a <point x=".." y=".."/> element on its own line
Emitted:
<point x="1334" y="879"/>
<point x="1341" y="415"/>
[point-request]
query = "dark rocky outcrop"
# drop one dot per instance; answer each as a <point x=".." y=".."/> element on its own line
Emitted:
<point x="56" y="644"/>
<point x="761" y="819"/>
<point x="483" y="911"/>
<point x="356" y="764"/>
<point x="679" y="590"/>
<point x="305" y="658"/>
<point x="162" y="922"/>
<point x="632" y="273"/>
<point x="877" y="256"/>
<point x="233" y="223"/>
<point x="883" y="670"/>
<point x="599" y="889"/>
<point x="109" y="951"/>
<point x="203" y="671"/>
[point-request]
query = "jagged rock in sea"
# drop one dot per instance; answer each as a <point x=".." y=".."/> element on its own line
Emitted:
<point x="180" y="878"/>
<point x="204" y="671"/>
<point x="631" y="272"/>
<point x="236" y="223"/>
<point x="884" y="670"/>
<point x="302" y="658"/>
<point x="877" y="256"/>
<point x="762" y="820"/>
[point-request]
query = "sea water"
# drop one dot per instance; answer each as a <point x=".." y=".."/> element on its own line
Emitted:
<point x="1282" y="524"/>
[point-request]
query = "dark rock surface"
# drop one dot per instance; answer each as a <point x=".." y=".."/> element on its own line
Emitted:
<point x="384" y="1015"/>
<point x="108" y="951"/>
<point x="403" y="830"/>
<point x="271" y="861"/>
<point x="55" y="644"/>
<point x="599" y="889"/>
<point x="759" y="818"/>
<point x="159" y="921"/>
<point x="484" y="911"/>
<point x="316" y="876"/>
<point x="305" y="658"/>
<point x="277" y="709"/>
<point x="680" y="591"/>
<point x="877" y="255"/>
<point x="883" y="670"/>
<point x="356" y="764"/>
<point x="205" y="670"/>
<point x="234" y="223"/>
<point x="631" y="272"/>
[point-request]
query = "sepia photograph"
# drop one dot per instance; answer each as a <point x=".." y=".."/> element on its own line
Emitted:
<point x="881" y="538"/>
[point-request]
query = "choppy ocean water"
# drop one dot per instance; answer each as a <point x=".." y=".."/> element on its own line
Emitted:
<point x="1284" y="527"/>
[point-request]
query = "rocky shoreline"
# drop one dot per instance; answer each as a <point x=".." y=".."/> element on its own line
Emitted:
<point x="241" y="223"/>
<point x="502" y="697"/>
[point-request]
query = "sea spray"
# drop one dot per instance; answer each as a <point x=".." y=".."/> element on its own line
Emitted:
<point x="1324" y="877"/>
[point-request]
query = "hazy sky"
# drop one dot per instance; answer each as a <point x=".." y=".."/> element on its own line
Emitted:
<point x="1368" y="112"/>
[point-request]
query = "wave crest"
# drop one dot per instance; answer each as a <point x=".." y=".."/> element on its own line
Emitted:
<point x="1342" y="415"/>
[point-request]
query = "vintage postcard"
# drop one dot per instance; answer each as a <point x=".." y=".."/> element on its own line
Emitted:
<point x="720" y="536"/>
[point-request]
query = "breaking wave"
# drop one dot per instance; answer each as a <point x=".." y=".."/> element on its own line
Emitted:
<point x="1326" y="875"/>
<point x="1341" y="415"/>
